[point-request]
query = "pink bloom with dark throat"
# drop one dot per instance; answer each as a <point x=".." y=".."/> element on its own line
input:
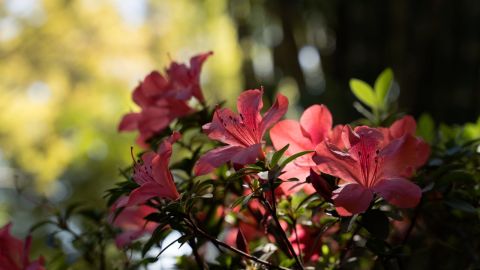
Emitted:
<point x="186" y="80"/>
<point x="314" y="126"/>
<point x="367" y="164"/>
<point x="153" y="175"/>
<point x="14" y="253"/>
<point x="242" y="132"/>
<point x="164" y="98"/>
<point x="131" y="220"/>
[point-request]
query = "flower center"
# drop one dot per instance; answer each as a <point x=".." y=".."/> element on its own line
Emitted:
<point x="141" y="172"/>
<point x="244" y="132"/>
<point x="368" y="161"/>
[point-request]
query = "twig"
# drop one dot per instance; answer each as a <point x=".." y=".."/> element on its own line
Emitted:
<point x="273" y="212"/>
<point x="198" y="259"/>
<point x="220" y="243"/>
<point x="349" y="244"/>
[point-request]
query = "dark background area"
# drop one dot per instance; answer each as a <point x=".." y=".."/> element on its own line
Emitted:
<point x="433" y="48"/>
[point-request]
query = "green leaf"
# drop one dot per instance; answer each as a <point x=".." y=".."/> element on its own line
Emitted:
<point x="278" y="155"/>
<point x="184" y="239"/>
<point x="382" y="86"/>
<point x="364" y="92"/>
<point x="393" y="95"/>
<point x="363" y="111"/>
<point x="158" y="234"/>
<point x="428" y="187"/>
<point x="206" y="196"/>
<point x="460" y="205"/>
<point x="458" y="177"/>
<point x="307" y="200"/>
<point x="376" y="223"/>
<point x="426" y="128"/>
<point x="287" y="262"/>
<point x="293" y="157"/>
<point x="242" y="200"/>
<point x="351" y="222"/>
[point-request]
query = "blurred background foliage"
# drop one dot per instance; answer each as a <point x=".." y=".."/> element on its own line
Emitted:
<point x="68" y="67"/>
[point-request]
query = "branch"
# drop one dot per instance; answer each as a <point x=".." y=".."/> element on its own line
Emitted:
<point x="198" y="259"/>
<point x="220" y="243"/>
<point x="273" y="212"/>
<point x="349" y="244"/>
<point x="412" y="223"/>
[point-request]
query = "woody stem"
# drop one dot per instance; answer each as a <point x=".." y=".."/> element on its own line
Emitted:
<point x="347" y="249"/>
<point x="198" y="259"/>
<point x="224" y="245"/>
<point x="272" y="208"/>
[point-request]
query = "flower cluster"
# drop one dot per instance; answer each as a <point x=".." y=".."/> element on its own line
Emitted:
<point x="164" y="98"/>
<point x="369" y="163"/>
<point x="267" y="192"/>
<point x="366" y="163"/>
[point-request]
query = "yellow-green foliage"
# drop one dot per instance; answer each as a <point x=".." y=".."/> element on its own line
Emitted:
<point x="67" y="74"/>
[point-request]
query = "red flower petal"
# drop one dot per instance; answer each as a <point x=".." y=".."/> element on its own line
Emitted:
<point x="405" y="125"/>
<point x="129" y="122"/>
<point x="289" y="132"/>
<point x="331" y="160"/>
<point x="399" y="192"/>
<point x="275" y="113"/>
<point x="352" y="199"/>
<point x="215" y="158"/>
<point x="317" y="122"/>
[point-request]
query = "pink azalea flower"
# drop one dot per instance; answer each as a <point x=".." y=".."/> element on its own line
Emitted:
<point x="314" y="126"/>
<point x="153" y="175"/>
<point x="367" y="164"/>
<point x="408" y="125"/>
<point x="131" y="221"/>
<point x="186" y="80"/>
<point x="241" y="132"/>
<point x="164" y="98"/>
<point x="14" y="252"/>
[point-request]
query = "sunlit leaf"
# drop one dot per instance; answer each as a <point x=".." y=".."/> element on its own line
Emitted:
<point x="363" y="111"/>
<point x="426" y="128"/>
<point x="293" y="157"/>
<point x="382" y="85"/>
<point x="278" y="155"/>
<point x="363" y="92"/>
<point x="158" y="234"/>
<point x="242" y="200"/>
